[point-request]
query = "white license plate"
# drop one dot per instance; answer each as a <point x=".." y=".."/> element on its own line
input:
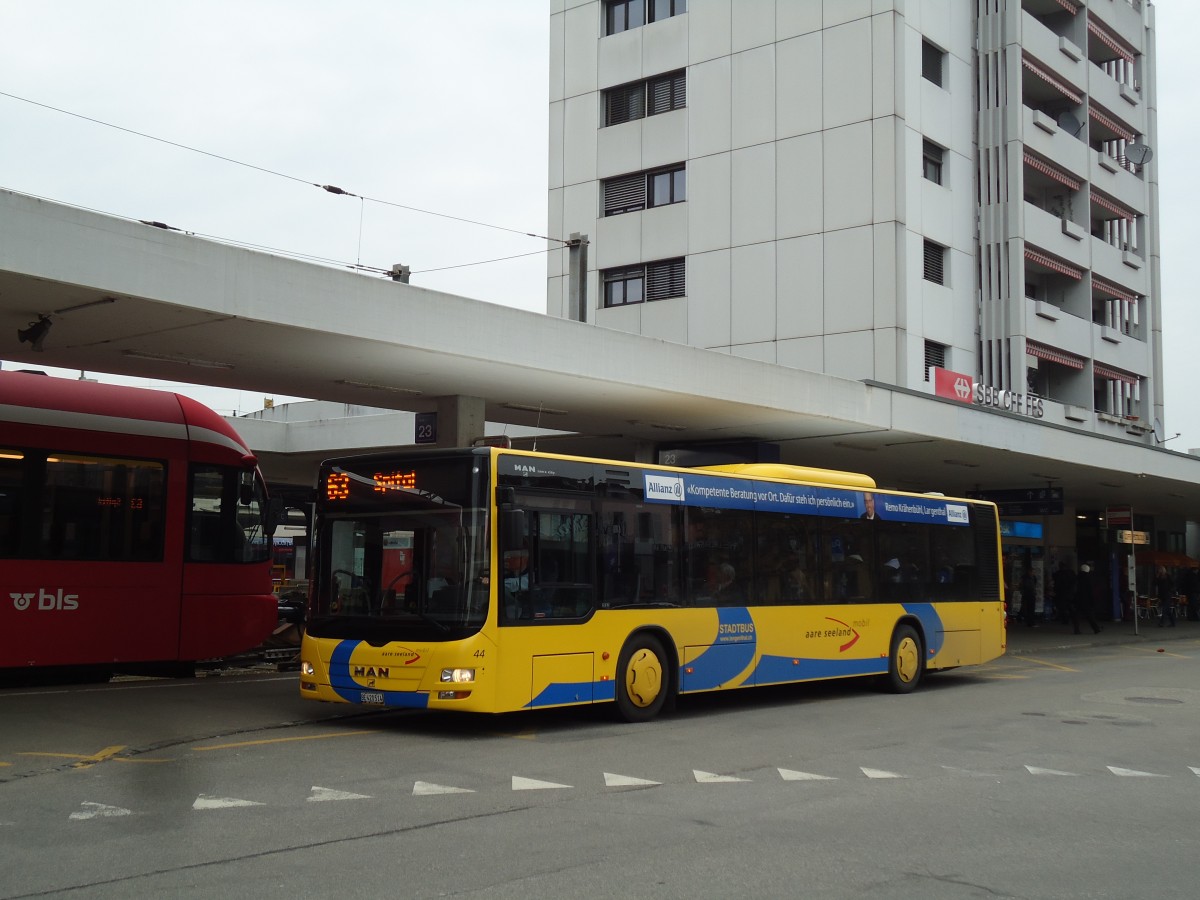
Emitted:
<point x="375" y="698"/>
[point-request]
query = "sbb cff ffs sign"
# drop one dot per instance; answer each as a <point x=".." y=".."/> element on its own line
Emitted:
<point x="964" y="389"/>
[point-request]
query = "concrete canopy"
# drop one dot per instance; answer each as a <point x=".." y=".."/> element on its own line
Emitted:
<point x="190" y="310"/>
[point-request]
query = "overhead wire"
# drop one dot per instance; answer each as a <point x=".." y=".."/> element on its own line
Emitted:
<point x="328" y="188"/>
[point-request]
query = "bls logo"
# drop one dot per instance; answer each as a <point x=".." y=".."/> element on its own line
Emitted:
<point x="46" y="600"/>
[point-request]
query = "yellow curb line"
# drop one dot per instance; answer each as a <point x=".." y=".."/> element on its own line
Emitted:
<point x="284" y="740"/>
<point x="1042" y="662"/>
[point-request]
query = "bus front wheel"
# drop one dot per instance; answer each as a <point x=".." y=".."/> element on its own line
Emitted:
<point x="906" y="661"/>
<point x="642" y="679"/>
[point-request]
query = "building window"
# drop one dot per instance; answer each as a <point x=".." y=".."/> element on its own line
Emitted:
<point x="622" y="15"/>
<point x="666" y="187"/>
<point x="643" y="190"/>
<point x="935" y="355"/>
<point x="652" y="281"/>
<point x="665" y="9"/>
<point x="935" y="263"/>
<point x="650" y="97"/>
<point x="933" y="63"/>
<point x="933" y="162"/>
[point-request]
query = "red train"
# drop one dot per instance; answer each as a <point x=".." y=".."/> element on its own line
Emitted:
<point x="134" y="530"/>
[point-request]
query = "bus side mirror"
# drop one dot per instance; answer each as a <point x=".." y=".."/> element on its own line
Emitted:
<point x="246" y="487"/>
<point x="512" y="528"/>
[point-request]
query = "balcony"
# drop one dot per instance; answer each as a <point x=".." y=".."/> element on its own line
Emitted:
<point x="1107" y="175"/>
<point x="1108" y="262"/>
<point x="1116" y="98"/>
<point x="1042" y="134"/>
<point x="1122" y="18"/>
<point x="1045" y="231"/>
<point x="1052" y="52"/>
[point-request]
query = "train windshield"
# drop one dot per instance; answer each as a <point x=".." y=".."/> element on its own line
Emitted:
<point x="403" y="551"/>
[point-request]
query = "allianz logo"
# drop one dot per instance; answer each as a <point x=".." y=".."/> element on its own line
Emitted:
<point x="664" y="487"/>
<point x="43" y="599"/>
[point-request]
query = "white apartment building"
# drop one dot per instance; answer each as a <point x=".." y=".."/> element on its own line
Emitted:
<point x="870" y="188"/>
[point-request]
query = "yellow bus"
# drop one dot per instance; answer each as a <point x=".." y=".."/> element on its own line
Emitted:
<point x="493" y="580"/>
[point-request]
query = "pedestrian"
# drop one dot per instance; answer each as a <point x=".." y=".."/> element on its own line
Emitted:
<point x="1084" y="600"/>
<point x="1064" y="590"/>
<point x="1164" y="590"/>
<point x="1028" y="597"/>
<point x="1191" y="587"/>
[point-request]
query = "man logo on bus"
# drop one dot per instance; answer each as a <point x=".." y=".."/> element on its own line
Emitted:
<point x="46" y="600"/>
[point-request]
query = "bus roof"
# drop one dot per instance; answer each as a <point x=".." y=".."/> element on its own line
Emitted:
<point x="32" y="398"/>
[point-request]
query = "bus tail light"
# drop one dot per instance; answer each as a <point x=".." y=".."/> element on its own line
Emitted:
<point x="307" y="668"/>
<point x="458" y="676"/>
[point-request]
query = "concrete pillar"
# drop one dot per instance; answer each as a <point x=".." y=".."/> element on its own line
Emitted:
<point x="460" y="420"/>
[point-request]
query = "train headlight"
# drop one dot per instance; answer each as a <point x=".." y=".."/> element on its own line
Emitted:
<point x="458" y="676"/>
<point x="307" y="668"/>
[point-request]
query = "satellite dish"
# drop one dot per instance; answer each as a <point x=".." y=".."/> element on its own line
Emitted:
<point x="1068" y="123"/>
<point x="1139" y="154"/>
<point x="1158" y="429"/>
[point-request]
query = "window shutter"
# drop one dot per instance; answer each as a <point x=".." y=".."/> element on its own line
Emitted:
<point x="624" y="104"/>
<point x="667" y="93"/>
<point x="665" y="279"/>
<point x="935" y="256"/>
<point x="935" y="355"/>
<point x="624" y="194"/>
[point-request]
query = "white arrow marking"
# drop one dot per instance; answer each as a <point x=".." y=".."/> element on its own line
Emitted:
<point x="98" y="811"/>
<point x="428" y="789"/>
<point x="530" y="784"/>
<point x="880" y="773"/>
<point x="1132" y="773"/>
<point x="1035" y="770"/>
<point x="319" y="794"/>
<point x="713" y="778"/>
<point x="205" y="801"/>
<point x="791" y="775"/>
<point x="1195" y="770"/>
<point x="611" y="780"/>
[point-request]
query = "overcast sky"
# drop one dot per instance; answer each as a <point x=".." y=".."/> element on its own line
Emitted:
<point x="433" y="105"/>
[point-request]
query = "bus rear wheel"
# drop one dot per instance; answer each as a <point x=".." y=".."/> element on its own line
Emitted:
<point x="642" y="679"/>
<point x="906" y="661"/>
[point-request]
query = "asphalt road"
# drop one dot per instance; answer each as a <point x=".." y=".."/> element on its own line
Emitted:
<point x="1051" y="773"/>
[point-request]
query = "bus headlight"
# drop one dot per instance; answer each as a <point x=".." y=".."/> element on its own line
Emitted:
<point x="307" y="668"/>
<point x="458" y="676"/>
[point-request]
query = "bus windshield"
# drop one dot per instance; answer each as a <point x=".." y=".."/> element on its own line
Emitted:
<point x="403" y="554"/>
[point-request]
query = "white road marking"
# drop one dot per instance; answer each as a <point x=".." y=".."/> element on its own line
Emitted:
<point x="98" y="811"/>
<point x="1195" y="770"/>
<point x="206" y="801"/>
<point x="880" y="773"/>
<point x="611" y="780"/>
<point x="428" y="789"/>
<point x="530" y="784"/>
<point x="712" y="778"/>
<point x="1035" y="770"/>
<point x="320" y="794"/>
<point x="1132" y="773"/>
<point x="792" y="775"/>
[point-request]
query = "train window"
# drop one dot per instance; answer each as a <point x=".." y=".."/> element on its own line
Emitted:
<point x="101" y="508"/>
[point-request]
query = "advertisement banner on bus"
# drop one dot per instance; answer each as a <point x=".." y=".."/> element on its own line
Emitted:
<point x="734" y="493"/>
